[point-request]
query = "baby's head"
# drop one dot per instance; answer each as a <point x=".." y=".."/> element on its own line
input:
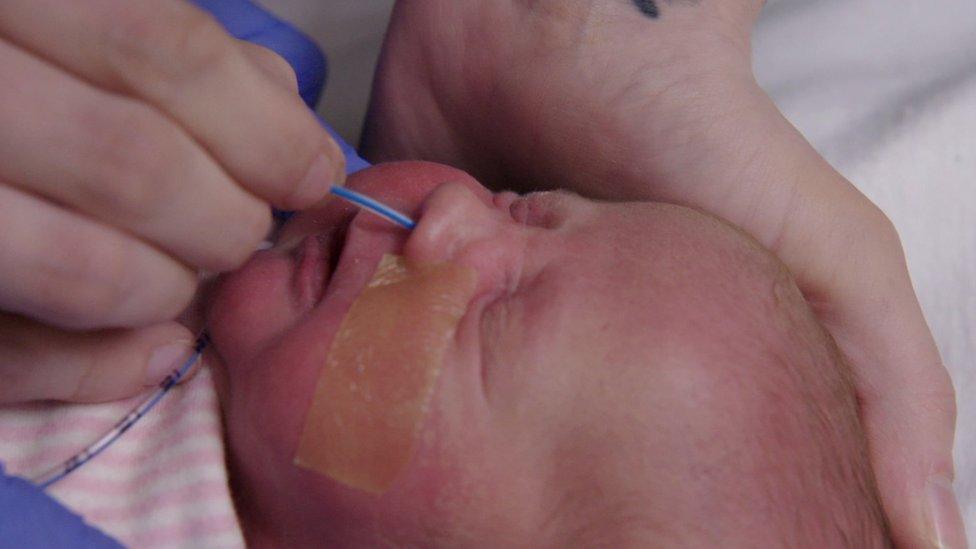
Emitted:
<point x="589" y="374"/>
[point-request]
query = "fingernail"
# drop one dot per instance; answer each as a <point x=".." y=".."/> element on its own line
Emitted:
<point x="164" y="360"/>
<point x="338" y="164"/>
<point x="315" y="184"/>
<point x="948" y="530"/>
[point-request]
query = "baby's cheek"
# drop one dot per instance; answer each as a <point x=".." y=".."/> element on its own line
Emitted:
<point x="465" y="483"/>
<point x="250" y="307"/>
<point x="474" y="477"/>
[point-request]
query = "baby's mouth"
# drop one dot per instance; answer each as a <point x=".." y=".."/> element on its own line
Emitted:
<point x="334" y="258"/>
<point x="316" y="258"/>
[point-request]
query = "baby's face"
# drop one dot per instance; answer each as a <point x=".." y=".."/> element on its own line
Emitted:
<point x="539" y="378"/>
<point x="541" y="369"/>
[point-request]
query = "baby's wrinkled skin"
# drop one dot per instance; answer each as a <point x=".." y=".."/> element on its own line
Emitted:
<point x="626" y="374"/>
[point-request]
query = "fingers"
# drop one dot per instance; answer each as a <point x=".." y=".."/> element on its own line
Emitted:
<point x="122" y="163"/>
<point x="42" y="363"/>
<point x="179" y="60"/>
<point x="908" y="404"/>
<point x="273" y="65"/>
<point x="71" y="272"/>
<point x="909" y="415"/>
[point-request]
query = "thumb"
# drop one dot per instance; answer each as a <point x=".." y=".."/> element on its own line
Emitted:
<point x="38" y="362"/>
<point x="909" y="418"/>
<point x="906" y="395"/>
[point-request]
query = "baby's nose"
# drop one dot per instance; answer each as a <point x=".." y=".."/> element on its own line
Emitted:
<point x="451" y="218"/>
<point x="457" y="225"/>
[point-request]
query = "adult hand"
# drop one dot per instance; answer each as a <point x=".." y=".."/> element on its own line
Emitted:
<point x="624" y="105"/>
<point x="140" y="145"/>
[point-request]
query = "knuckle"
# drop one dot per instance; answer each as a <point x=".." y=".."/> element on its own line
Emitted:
<point x="885" y="229"/>
<point x="96" y="284"/>
<point x="940" y="393"/>
<point x="112" y="284"/>
<point x="165" y="45"/>
<point x="200" y="43"/>
<point x="874" y="238"/>
<point x="273" y="64"/>
<point x="875" y="225"/>
<point x="131" y="163"/>
<point x="71" y="302"/>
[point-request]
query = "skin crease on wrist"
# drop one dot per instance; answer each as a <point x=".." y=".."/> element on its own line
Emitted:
<point x="625" y="374"/>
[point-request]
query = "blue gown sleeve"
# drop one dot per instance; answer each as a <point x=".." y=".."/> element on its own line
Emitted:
<point x="31" y="518"/>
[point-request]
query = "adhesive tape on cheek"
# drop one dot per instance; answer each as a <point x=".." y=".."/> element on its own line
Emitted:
<point x="374" y="392"/>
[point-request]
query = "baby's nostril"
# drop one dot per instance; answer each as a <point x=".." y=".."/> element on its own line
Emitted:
<point x="450" y="218"/>
<point x="504" y="200"/>
<point x="519" y="210"/>
<point x="544" y="210"/>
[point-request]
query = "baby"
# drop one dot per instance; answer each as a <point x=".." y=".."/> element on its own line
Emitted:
<point x="564" y="94"/>
<point x="592" y="374"/>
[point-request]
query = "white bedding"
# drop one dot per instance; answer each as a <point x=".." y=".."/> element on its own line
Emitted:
<point x="885" y="89"/>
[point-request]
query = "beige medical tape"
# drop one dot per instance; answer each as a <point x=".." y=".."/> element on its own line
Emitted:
<point x="374" y="392"/>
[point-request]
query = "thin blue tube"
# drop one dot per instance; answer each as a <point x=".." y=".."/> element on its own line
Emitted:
<point x="65" y="468"/>
<point x="374" y="206"/>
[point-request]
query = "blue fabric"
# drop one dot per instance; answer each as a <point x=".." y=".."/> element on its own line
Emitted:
<point x="31" y="518"/>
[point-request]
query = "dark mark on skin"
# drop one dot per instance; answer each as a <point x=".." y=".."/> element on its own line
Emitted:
<point x="648" y="8"/>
